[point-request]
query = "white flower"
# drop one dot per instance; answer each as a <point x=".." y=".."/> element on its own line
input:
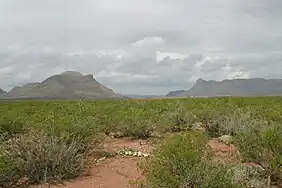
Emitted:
<point x="139" y="154"/>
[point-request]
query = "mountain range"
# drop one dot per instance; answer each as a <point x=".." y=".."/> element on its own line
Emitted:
<point x="235" y="87"/>
<point x="143" y="96"/>
<point x="74" y="85"/>
<point x="67" y="85"/>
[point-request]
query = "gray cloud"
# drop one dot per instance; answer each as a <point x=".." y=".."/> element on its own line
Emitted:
<point x="120" y="42"/>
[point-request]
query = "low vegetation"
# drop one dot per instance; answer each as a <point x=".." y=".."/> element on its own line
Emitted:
<point x="182" y="161"/>
<point x="41" y="158"/>
<point x="263" y="145"/>
<point x="51" y="141"/>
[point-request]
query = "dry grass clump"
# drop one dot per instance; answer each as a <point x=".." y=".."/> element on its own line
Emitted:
<point x="37" y="157"/>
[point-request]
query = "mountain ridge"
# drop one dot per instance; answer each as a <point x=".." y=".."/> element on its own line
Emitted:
<point x="232" y="87"/>
<point x="67" y="85"/>
<point x="2" y="92"/>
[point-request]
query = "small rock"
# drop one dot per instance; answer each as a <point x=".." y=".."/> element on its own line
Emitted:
<point x="254" y="166"/>
<point x="222" y="151"/>
<point x="112" y="134"/>
<point x="227" y="139"/>
<point x="216" y="145"/>
<point x="116" y="134"/>
<point x="120" y="134"/>
<point x="198" y="126"/>
<point x="101" y="159"/>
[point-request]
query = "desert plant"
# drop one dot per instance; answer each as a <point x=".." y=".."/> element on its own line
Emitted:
<point x="209" y="174"/>
<point x="9" y="127"/>
<point x="231" y="123"/>
<point x="249" y="175"/>
<point x="263" y="145"/>
<point x="40" y="158"/>
<point x="137" y="128"/>
<point x="70" y="128"/>
<point x="183" y="161"/>
<point x="179" y="118"/>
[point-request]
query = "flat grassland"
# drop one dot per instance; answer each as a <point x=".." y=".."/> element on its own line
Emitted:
<point x="56" y="141"/>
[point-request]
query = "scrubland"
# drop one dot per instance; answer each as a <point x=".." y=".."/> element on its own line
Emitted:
<point x="55" y="141"/>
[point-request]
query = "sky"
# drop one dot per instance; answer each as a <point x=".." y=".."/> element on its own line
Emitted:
<point x="140" y="46"/>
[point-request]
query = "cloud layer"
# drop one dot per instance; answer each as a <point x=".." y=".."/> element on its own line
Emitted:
<point x="140" y="47"/>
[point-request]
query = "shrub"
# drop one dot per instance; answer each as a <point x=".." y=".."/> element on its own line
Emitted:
<point x="183" y="161"/>
<point x="231" y="123"/>
<point x="248" y="175"/>
<point x="263" y="145"/>
<point x="142" y="128"/>
<point x="179" y="119"/>
<point x="40" y="158"/>
<point x="9" y="128"/>
<point x="69" y="128"/>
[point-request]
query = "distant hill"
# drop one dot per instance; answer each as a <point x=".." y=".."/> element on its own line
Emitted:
<point x="2" y="92"/>
<point x="174" y="93"/>
<point x="235" y="87"/>
<point x="143" y="96"/>
<point x="68" y="85"/>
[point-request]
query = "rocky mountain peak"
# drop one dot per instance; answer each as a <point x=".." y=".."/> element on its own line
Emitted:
<point x="200" y="81"/>
<point x="71" y="73"/>
<point x="67" y="85"/>
<point x="2" y="92"/>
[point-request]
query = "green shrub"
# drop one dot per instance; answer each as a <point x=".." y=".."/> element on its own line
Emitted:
<point x="68" y="128"/>
<point x="262" y="144"/>
<point x="179" y="118"/>
<point x="9" y="128"/>
<point x="9" y="175"/>
<point x="40" y="158"/>
<point x="232" y="123"/>
<point x="183" y="161"/>
<point x="142" y="128"/>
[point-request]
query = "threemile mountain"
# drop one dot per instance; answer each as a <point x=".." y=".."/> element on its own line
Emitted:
<point x="67" y="85"/>
<point x="235" y="87"/>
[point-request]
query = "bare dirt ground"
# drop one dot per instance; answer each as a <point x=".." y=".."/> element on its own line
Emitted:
<point x="114" y="172"/>
<point x="118" y="171"/>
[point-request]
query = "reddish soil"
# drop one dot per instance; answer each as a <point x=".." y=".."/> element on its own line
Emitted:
<point x="117" y="172"/>
<point x="114" y="145"/>
<point x="113" y="172"/>
<point x="224" y="152"/>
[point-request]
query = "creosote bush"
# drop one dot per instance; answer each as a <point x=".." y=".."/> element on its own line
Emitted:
<point x="179" y="118"/>
<point x="230" y="124"/>
<point x="41" y="158"/>
<point x="10" y="128"/>
<point x="262" y="144"/>
<point x="183" y="161"/>
<point x="140" y="129"/>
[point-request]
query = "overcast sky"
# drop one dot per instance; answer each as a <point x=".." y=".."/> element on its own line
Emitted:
<point x="140" y="46"/>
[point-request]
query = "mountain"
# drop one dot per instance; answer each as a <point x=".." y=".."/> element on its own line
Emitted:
<point x="235" y="87"/>
<point x="174" y="93"/>
<point x="132" y="96"/>
<point x="2" y="92"/>
<point x="67" y="85"/>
